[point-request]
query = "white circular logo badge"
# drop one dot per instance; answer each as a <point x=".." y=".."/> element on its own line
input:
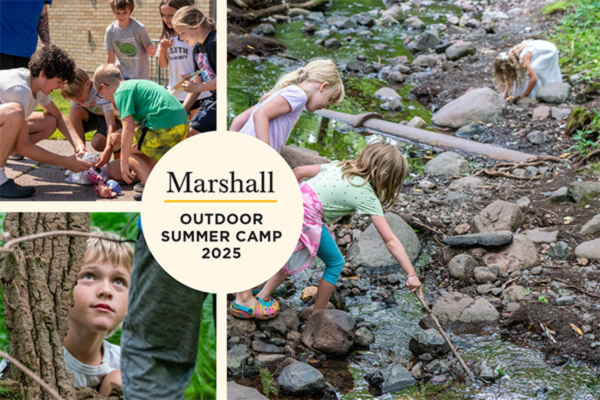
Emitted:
<point x="222" y="212"/>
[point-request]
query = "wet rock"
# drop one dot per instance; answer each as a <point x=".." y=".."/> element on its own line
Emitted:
<point x="470" y="130"/>
<point x="395" y="78"/>
<point x="559" y="251"/>
<point x="484" y="371"/>
<point x="333" y="43"/>
<point x="395" y="12"/>
<point x="428" y="341"/>
<point x="398" y="60"/>
<point x="307" y="312"/>
<point x="386" y="93"/>
<point x="426" y="61"/>
<point x="417" y="122"/>
<point x="425" y="41"/>
<point x="556" y="93"/>
<point x="365" y="20"/>
<point x="559" y="195"/>
<point x="264" y="30"/>
<point x="523" y="202"/>
<point x="538" y="137"/>
<point x="342" y="23"/>
<point x="541" y="112"/>
<point x="308" y="293"/>
<point x="236" y="356"/>
<point x="309" y="28"/>
<point x="592" y="227"/>
<point x="487" y="239"/>
<point x="239" y="392"/>
<point x="462" y="266"/>
<point x="540" y="235"/>
<point x="478" y="105"/>
<point x="330" y="331"/>
<point x="316" y="17"/>
<point x="266" y="360"/>
<point x="370" y="252"/>
<point x="484" y="275"/>
<point x="583" y="191"/>
<point x="560" y="113"/>
<point x="365" y="34"/>
<point x="414" y="22"/>
<point x="441" y="48"/>
<point x="417" y="371"/>
<point x="447" y="163"/>
<point x="354" y="66"/>
<point x="437" y="367"/>
<point x="565" y="301"/>
<point x="391" y="378"/>
<point x="521" y="253"/>
<point x="460" y="50"/>
<point x="301" y="379"/>
<point x="498" y="216"/>
<point x="240" y="327"/>
<point x="514" y="293"/>
<point x="454" y="309"/>
<point x="262" y="347"/>
<point x="393" y="105"/>
<point x="388" y="21"/>
<point x="455" y="30"/>
<point x="363" y="338"/>
<point x="590" y="250"/>
<point x="466" y="182"/>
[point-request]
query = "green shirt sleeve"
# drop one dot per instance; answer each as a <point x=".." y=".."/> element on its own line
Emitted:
<point x="125" y="103"/>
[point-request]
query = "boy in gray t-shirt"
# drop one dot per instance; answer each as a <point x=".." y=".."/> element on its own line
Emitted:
<point x="128" y="43"/>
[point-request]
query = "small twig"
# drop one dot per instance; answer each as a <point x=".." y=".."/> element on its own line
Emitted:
<point x="594" y="153"/>
<point x="32" y="375"/>
<point x="6" y="248"/>
<point x="504" y="174"/>
<point x="439" y="327"/>
<point x="569" y="284"/>
<point x="507" y="283"/>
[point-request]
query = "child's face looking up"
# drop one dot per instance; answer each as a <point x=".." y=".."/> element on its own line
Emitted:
<point x="100" y="297"/>
<point x="167" y="13"/>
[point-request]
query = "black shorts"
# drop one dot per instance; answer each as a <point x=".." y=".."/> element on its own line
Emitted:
<point x="9" y="62"/>
<point x="97" y="122"/>
<point x="194" y="106"/>
<point x="205" y="119"/>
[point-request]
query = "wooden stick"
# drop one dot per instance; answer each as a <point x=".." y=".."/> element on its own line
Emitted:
<point x="32" y="375"/>
<point x="8" y="244"/>
<point x="439" y="328"/>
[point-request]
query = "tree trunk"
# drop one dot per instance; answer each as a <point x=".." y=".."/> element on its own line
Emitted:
<point x="38" y="280"/>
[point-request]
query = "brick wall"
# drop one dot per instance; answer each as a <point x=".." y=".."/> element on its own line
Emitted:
<point x="78" y="26"/>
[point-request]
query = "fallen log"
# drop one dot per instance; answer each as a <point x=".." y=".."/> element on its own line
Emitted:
<point x="244" y="17"/>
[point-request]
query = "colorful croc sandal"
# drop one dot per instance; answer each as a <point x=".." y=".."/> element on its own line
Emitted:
<point x="242" y="312"/>
<point x="266" y="310"/>
<point x="278" y="292"/>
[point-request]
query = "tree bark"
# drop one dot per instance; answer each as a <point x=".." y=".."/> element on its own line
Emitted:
<point x="38" y="280"/>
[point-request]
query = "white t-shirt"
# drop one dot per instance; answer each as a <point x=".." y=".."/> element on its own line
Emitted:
<point x="92" y="375"/>
<point x="280" y="127"/>
<point x="94" y="103"/>
<point x="181" y="62"/>
<point x="15" y="87"/>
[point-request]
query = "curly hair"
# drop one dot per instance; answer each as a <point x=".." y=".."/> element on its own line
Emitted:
<point x="508" y="71"/>
<point x="54" y="62"/>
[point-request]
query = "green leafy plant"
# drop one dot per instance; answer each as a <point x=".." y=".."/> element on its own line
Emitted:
<point x="542" y="299"/>
<point x="559" y="6"/>
<point x="527" y="291"/>
<point x="582" y="145"/>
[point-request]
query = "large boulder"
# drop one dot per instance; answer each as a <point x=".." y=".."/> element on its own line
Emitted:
<point x="498" y="216"/>
<point x="239" y="392"/>
<point x="301" y="379"/>
<point x="330" y="331"/>
<point x="448" y="163"/>
<point x="428" y="341"/>
<point x="460" y="50"/>
<point x="482" y="104"/>
<point x="391" y="378"/>
<point x="556" y="93"/>
<point x="589" y="250"/>
<point x="584" y="191"/>
<point x="369" y="249"/>
<point x="592" y="227"/>
<point x="457" y="310"/>
<point x="521" y="254"/>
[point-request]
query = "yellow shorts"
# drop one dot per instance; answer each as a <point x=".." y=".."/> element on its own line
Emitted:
<point x="156" y="143"/>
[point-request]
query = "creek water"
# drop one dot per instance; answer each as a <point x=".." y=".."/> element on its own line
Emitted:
<point x="529" y="376"/>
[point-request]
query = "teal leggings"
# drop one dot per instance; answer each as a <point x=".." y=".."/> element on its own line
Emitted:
<point x="331" y="256"/>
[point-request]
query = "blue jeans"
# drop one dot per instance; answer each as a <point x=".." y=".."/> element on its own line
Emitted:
<point x="331" y="256"/>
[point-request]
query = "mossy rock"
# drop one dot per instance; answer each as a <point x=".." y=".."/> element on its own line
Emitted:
<point x="579" y="119"/>
<point x="558" y="7"/>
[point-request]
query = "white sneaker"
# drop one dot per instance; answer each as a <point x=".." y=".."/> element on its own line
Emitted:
<point x="138" y="187"/>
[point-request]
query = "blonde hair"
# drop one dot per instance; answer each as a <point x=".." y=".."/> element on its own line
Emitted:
<point x="110" y="249"/>
<point x="508" y="70"/>
<point x="107" y="74"/>
<point x="319" y="71"/>
<point x="383" y="166"/>
<point x="76" y="87"/>
<point x="191" y="18"/>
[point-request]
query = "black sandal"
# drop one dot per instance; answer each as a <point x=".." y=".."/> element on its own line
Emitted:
<point x="12" y="190"/>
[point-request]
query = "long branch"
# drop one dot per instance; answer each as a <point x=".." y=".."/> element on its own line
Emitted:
<point x="32" y="375"/>
<point x="6" y="248"/>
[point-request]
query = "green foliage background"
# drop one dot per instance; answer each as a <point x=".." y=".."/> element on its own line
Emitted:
<point x="203" y="383"/>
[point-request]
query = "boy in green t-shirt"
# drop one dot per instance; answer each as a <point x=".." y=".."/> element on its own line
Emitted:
<point x="161" y="118"/>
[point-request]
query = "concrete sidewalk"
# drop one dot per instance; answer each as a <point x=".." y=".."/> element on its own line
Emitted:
<point x="49" y="180"/>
